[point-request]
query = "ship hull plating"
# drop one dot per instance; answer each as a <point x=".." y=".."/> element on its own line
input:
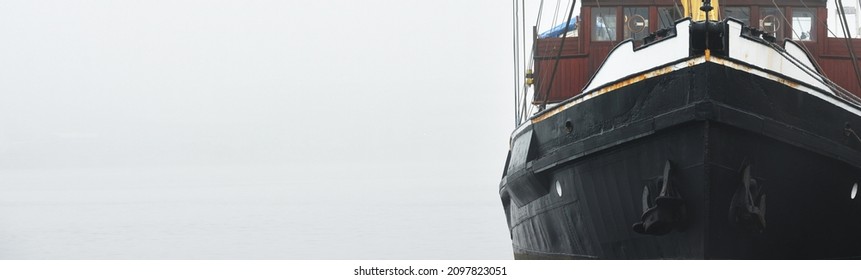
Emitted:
<point x="577" y="180"/>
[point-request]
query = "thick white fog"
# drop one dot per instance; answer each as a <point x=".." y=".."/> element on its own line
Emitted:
<point x="253" y="129"/>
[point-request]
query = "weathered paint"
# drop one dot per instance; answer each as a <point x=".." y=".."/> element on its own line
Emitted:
<point x="632" y="80"/>
<point x="580" y="60"/>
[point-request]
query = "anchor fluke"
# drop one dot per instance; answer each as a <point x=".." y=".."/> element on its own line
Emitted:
<point x="666" y="211"/>
<point x="747" y="208"/>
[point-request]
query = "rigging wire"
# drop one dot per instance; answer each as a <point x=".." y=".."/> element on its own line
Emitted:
<point x="664" y="16"/>
<point x="849" y="131"/>
<point x="554" y="22"/>
<point x="820" y="20"/>
<point x="841" y="89"/>
<point x="814" y="73"/>
<point x="558" y="55"/>
<point x="606" y="24"/>
<point x="807" y="70"/>
<point x="522" y="109"/>
<point x="837" y="90"/>
<point x="679" y="10"/>
<point x="567" y="5"/>
<point x="523" y="36"/>
<point x="520" y="34"/>
<point x="538" y="19"/>
<point x="789" y="25"/>
<point x="849" y="41"/>
<point x="782" y="15"/>
<point x="531" y="62"/>
<point x="526" y="109"/>
<point x="516" y="62"/>
<point x="518" y="37"/>
<point x="523" y="33"/>
<point x="556" y="13"/>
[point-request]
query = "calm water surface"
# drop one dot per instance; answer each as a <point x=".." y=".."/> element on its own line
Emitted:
<point x="247" y="213"/>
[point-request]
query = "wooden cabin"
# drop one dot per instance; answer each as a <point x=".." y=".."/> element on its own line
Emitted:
<point x="603" y="26"/>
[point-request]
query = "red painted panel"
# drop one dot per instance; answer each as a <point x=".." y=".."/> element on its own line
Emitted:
<point x="836" y="62"/>
<point x="549" y="47"/>
<point x="840" y="71"/>
<point x="570" y="78"/>
<point x="580" y="57"/>
<point x="572" y="73"/>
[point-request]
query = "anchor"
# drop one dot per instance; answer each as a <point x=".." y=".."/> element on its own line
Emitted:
<point x="666" y="212"/>
<point x="747" y="207"/>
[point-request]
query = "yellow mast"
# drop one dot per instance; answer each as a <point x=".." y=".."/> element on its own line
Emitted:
<point x="692" y="9"/>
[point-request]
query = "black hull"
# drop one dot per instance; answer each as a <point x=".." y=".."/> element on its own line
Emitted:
<point x="710" y="121"/>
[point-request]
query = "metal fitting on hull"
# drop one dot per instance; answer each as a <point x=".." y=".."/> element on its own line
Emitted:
<point x="668" y="210"/>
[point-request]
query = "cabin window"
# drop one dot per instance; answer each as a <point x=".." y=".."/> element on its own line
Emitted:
<point x="667" y="16"/>
<point x="803" y="22"/>
<point x="835" y="25"/>
<point x="740" y="13"/>
<point x="636" y="22"/>
<point x="604" y="24"/>
<point x="771" y="21"/>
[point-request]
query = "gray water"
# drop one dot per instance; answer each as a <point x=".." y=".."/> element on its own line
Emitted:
<point x="250" y="212"/>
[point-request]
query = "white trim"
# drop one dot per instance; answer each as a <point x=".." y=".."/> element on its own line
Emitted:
<point x="637" y="65"/>
<point x="829" y="98"/>
<point x="619" y="84"/>
<point x="624" y="61"/>
<point x="689" y="63"/>
<point x="765" y="57"/>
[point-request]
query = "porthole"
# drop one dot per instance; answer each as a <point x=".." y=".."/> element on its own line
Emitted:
<point x="558" y="188"/>
<point x="854" y="191"/>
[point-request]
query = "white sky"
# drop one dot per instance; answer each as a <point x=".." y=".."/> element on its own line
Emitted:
<point x="395" y="102"/>
<point x="94" y="83"/>
<point x="185" y="82"/>
<point x="327" y="88"/>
